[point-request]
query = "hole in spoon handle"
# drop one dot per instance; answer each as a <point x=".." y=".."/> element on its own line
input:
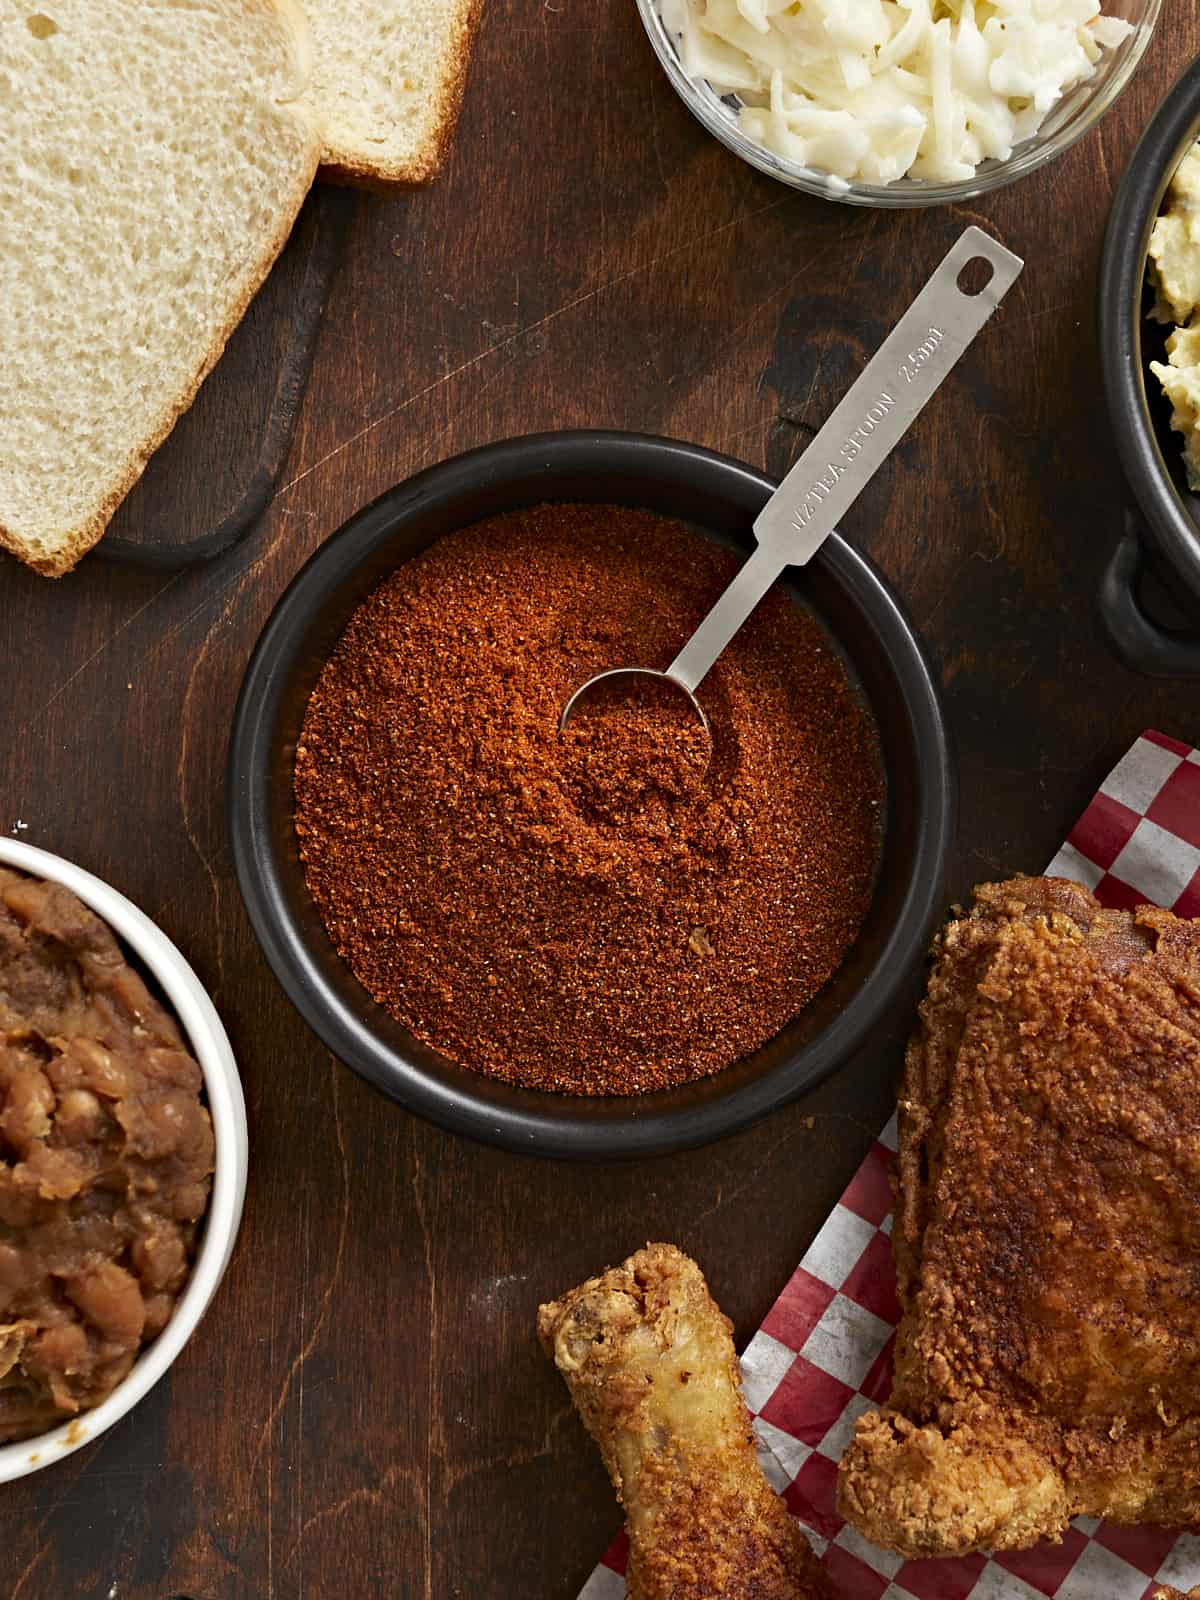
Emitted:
<point x="974" y="276"/>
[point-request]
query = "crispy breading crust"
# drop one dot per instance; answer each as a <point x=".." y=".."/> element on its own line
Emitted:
<point x="650" y="1364"/>
<point x="1047" y="1233"/>
<point x="962" y="953"/>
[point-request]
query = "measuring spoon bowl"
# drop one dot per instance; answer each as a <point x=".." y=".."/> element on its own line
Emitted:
<point x="585" y="690"/>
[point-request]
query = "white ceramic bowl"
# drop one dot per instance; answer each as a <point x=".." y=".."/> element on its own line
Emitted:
<point x="210" y="1045"/>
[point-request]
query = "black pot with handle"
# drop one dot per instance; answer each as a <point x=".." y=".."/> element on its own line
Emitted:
<point x="1162" y="542"/>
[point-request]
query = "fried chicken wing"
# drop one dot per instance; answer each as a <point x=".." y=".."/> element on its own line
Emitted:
<point x="650" y="1364"/>
<point x="1047" y="1234"/>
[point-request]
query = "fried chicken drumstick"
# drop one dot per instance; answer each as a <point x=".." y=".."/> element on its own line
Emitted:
<point x="1047" y="1233"/>
<point x="649" y="1362"/>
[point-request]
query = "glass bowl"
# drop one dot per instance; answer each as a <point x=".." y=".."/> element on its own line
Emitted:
<point x="1070" y="119"/>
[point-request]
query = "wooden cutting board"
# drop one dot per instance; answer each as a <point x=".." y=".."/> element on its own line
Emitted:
<point x="210" y="480"/>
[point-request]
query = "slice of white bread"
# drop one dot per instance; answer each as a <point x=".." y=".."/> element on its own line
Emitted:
<point x="388" y="77"/>
<point x="153" y="157"/>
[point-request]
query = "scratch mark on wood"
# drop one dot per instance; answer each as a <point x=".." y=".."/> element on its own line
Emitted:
<point x="760" y="1161"/>
<point x="302" y="1450"/>
<point x="99" y="651"/>
<point x="30" y="1567"/>
<point x="184" y="790"/>
<point x="726" y="439"/>
<point x="510" y="1459"/>
<point x="326" y="1301"/>
<point x="502" y="344"/>
<point x="1052" y="311"/>
<point x="434" y="1446"/>
<point x="375" y="1495"/>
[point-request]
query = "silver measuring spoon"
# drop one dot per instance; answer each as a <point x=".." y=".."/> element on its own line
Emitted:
<point x="862" y="432"/>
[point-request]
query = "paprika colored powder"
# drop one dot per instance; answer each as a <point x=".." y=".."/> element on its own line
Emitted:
<point x="612" y="908"/>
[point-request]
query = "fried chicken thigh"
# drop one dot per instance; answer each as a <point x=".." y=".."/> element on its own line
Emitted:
<point x="649" y="1362"/>
<point x="1047" y="1234"/>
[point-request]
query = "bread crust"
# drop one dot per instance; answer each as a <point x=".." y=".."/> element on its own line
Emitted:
<point x="352" y="164"/>
<point x="79" y="540"/>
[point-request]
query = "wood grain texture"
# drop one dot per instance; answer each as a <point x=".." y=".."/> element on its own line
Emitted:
<point x="364" y="1410"/>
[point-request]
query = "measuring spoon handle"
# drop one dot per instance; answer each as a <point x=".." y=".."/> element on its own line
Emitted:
<point x="885" y="400"/>
<point x="861" y="433"/>
<point x="751" y="581"/>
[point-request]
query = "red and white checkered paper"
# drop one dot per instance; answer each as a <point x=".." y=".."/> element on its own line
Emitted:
<point x="824" y="1354"/>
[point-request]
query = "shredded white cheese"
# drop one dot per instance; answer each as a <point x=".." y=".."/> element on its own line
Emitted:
<point x="882" y="89"/>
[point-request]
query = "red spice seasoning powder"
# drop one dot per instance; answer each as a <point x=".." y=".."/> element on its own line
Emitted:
<point x="603" y="910"/>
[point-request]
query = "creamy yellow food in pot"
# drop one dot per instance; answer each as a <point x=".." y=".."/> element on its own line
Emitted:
<point x="1174" y="265"/>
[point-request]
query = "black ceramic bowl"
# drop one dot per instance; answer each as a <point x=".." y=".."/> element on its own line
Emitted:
<point x="716" y="495"/>
<point x="1168" y="527"/>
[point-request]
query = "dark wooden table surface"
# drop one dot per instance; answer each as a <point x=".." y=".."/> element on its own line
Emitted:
<point x="364" y="1410"/>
